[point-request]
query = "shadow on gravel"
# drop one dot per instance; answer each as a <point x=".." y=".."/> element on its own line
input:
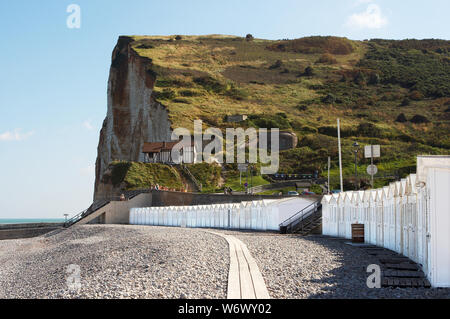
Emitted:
<point x="350" y="279"/>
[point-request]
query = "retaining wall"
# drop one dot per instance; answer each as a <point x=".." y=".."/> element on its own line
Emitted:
<point x="16" y="231"/>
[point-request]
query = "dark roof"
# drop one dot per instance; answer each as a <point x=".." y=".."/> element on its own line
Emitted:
<point x="156" y="147"/>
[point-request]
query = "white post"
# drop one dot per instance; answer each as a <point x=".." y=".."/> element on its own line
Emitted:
<point x="329" y="164"/>
<point x="371" y="163"/>
<point x="340" y="156"/>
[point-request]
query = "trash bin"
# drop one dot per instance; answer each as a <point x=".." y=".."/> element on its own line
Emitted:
<point x="358" y="233"/>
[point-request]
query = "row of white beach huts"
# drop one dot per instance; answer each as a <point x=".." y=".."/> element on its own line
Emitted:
<point x="393" y="217"/>
<point x="410" y="217"/>
<point x="256" y="215"/>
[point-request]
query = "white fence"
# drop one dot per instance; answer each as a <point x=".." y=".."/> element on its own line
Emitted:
<point x="255" y="215"/>
<point x="397" y="217"/>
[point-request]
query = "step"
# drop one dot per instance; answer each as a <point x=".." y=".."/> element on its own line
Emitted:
<point x="403" y="274"/>
<point x="392" y="260"/>
<point x="406" y="282"/>
<point x="402" y="266"/>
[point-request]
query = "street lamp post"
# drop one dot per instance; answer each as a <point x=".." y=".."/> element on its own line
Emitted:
<point x="355" y="150"/>
<point x="251" y="178"/>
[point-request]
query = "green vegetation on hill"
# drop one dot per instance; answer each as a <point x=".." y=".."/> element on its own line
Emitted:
<point x="207" y="175"/>
<point x="304" y="85"/>
<point x="143" y="175"/>
<point x="427" y="72"/>
<point x="233" y="181"/>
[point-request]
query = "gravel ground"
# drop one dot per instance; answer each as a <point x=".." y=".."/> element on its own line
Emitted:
<point x="158" y="262"/>
<point x="318" y="267"/>
<point x="116" y="262"/>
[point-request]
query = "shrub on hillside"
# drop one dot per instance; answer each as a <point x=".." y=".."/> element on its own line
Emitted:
<point x="166" y="94"/>
<point x="329" y="99"/>
<point x="374" y="78"/>
<point x="314" y="45"/>
<point x="119" y="171"/>
<point x="188" y="93"/>
<point x="145" y="46"/>
<point x="308" y="129"/>
<point x="419" y="119"/>
<point x="406" y="101"/>
<point x="327" y="58"/>
<point x="276" y="65"/>
<point x="269" y="121"/>
<point x="369" y="130"/>
<point x="249" y="37"/>
<point x="309" y="71"/>
<point x="181" y="100"/>
<point x="332" y="131"/>
<point x="210" y="84"/>
<point x="360" y="78"/>
<point x="236" y="93"/>
<point x="416" y="95"/>
<point x="401" y="118"/>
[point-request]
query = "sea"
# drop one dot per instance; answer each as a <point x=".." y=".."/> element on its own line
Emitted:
<point x="30" y="220"/>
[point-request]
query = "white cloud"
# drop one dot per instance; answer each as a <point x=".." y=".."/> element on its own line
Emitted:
<point x="372" y="18"/>
<point x="88" y="125"/>
<point x="15" y="135"/>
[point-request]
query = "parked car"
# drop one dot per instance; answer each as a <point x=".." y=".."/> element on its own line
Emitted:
<point x="336" y="191"/>
<point x="308" y="193"/>
<point x="293" y="193"/>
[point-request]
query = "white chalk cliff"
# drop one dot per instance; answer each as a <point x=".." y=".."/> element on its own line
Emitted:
<point x="133" y="116"/>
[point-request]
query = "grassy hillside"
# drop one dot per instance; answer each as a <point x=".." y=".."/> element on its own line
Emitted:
<point x="207" y="175"/>
<point x="393" y="93"/>
<point x="141" y="175"/>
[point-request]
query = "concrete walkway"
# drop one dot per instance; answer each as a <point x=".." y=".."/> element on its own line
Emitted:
<point x="244" y="278"/>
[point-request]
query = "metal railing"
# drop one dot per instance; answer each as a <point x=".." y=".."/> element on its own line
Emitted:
<point x="192" y="177"/>
<point x="299" y="217"/>
<point x="102" y="203"/>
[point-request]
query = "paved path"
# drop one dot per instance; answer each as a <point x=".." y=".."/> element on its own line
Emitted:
<point x="244" y="278"/>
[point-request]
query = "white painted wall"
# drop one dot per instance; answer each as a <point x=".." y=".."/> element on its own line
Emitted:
<point x="438" y="182"/>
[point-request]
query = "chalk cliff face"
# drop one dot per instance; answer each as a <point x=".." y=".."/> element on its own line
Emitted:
<point x="133" y="116"/>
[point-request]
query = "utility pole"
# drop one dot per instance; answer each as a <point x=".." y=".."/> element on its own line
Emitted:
<point x="329" y="165"/>
<point x="355" y="150"/>
<point x="246" y="180"/>
<point x="251" y="178"/>
<point x="371" y="163"/>
<point x="340" y="156"/>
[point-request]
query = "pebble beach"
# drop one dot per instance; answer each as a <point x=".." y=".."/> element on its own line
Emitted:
<point x="116" y="262"/>
<point x="121" y="261"/>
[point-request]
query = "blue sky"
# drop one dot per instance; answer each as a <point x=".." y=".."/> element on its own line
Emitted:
<point x="54" y="79"/>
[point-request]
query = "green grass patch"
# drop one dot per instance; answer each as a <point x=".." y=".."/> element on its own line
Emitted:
<point x="233" y="182"/>
<point x="143" y="175"/>
<point x="208" y="175"/>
